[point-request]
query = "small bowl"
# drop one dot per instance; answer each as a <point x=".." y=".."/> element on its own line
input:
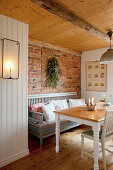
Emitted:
<point x="90" y="108"/>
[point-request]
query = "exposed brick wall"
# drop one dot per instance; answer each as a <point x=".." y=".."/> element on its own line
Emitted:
<point x="70" y="65"/>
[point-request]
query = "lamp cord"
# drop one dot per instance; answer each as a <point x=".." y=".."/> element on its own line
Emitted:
<point x="110" y="42"/>
<point x="109" y="33"/>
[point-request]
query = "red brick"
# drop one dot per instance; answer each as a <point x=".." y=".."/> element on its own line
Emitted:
<point x="70" y="65"/>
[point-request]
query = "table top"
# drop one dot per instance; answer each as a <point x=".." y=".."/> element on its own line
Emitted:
<point x="82" y="113"/>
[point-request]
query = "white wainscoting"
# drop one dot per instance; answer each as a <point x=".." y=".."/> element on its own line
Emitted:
<point x="13" y="97"/>
<point x="94" y="55"/>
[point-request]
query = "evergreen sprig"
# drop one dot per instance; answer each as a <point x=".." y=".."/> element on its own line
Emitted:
<point x="52" y="72"/>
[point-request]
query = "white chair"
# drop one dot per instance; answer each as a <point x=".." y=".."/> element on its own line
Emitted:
<point x="106" y="133"/>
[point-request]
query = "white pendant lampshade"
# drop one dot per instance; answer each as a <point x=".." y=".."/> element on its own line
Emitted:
<point x="107" y="57"/>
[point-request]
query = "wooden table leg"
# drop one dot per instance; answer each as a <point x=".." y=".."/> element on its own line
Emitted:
<point x="57" y="132"/>
<point x="96" y="129"/>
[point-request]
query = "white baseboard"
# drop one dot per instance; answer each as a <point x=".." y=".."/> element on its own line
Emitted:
<point x="14" y="157"/>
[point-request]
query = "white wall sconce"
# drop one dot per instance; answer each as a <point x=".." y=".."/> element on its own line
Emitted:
<point x="9" y="60"/>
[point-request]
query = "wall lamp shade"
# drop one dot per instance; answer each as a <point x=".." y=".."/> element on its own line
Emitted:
<point x="9" y="60"/>
<point x="107" y="57"/>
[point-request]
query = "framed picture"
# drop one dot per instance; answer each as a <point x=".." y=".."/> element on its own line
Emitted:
<point x="96" y="74"/>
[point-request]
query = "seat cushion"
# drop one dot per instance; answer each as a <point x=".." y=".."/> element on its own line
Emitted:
<point x="48" y="128"/>
<point x="90" y="133"/>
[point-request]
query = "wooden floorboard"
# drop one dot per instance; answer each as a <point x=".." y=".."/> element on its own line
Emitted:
<point x="69" y="157"/>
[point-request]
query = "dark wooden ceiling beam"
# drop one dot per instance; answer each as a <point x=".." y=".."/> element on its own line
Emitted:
<point x="66" y="14"/>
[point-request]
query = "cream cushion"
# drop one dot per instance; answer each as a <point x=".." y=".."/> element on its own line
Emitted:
<point x="76" y="102"/>
<point x="60" y="104"/>
<point x="48" y="110"/>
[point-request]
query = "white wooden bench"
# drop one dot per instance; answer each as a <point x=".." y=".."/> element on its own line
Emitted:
<point x="43" y="129"/>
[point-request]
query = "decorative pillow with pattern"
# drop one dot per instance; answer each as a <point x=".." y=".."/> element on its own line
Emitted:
<point x="57" y="108"/>
<point x="60" y="104"/>
<point x="39" y="108"/>
<point x="76" y="102"/>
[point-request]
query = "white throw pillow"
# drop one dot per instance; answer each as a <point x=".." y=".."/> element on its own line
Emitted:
<point x="76" y="102"/>
<point x="60" y="104"/>
<point x="48" y="110"/>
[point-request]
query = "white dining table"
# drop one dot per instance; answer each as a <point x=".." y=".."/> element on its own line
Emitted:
<point x="80" y="115"/>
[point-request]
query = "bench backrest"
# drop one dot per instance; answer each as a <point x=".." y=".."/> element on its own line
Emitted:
<point x="33" y="99"/>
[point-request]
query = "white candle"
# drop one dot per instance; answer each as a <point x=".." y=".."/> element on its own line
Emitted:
<point x="92" y="101"/>
<point x="9" y="66"/>
<point x="89" y="101"/>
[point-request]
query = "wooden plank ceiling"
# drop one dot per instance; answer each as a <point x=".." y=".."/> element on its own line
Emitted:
<point x="48" y="27"/>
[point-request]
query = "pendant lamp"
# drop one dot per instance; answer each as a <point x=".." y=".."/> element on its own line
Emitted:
<point x="107" y="57"/>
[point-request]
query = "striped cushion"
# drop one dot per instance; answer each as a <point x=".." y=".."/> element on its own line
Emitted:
<point x="90" y="133"/>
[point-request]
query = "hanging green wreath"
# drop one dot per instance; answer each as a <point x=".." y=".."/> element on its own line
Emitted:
<point x="52" y="72"/>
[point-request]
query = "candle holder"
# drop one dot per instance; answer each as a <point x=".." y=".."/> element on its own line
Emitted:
<point x="91" y="107"/>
